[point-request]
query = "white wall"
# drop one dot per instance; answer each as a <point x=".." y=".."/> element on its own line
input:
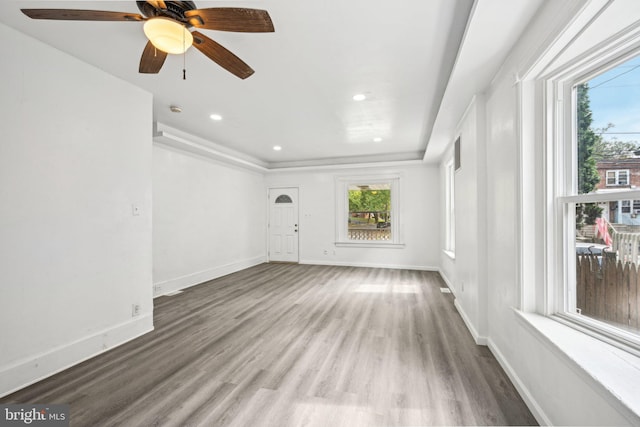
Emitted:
<point x="557" y="388"/>
<point x="209" y="219"/>
<point x="75" y="157"/>
<point x="420" y="217"/>
<point x="466" y="274"/>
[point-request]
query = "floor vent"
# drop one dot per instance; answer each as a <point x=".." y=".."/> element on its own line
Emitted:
<point x="445" y="290"/>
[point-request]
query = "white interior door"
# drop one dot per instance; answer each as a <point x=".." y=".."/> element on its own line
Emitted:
<point x="283" y="224"/>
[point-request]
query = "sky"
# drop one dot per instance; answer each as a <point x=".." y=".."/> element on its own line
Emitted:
<point x="615" y="98"/>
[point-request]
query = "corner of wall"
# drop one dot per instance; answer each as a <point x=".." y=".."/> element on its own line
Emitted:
<point x="193" y="279"/>
<point x="479" y="339"/>
<point x="524" y="392"/>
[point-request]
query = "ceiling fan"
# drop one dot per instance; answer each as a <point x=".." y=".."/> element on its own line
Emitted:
<point x="167" y="25"/>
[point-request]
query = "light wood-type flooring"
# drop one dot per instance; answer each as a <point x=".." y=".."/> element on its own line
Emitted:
<point x="295" y="345"/>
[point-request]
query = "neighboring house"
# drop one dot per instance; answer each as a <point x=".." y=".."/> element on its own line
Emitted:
<point x="615" y="175"/>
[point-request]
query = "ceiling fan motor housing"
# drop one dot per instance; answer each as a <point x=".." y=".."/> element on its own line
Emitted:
<point x="175" y="10"/>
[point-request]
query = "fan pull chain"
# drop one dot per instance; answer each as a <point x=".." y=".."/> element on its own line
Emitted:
<point x="184" y="58"/>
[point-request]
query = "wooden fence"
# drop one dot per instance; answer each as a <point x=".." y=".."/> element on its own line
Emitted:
<point x="627" y="245"/>
<point x="608" y="289"/>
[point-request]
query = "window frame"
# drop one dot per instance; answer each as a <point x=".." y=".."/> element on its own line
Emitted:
<point x="616" y="173"/>
<point x="562" y="193"/>
<point x="342" y="211"/>
<point x="450" y="215"/>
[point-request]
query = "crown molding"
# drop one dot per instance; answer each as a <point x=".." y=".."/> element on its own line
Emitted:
<point x="180" y="140"/>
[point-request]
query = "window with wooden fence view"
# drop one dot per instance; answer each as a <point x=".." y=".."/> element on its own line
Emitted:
<point x="607" y="232"/>
<point x="369" y="212"/>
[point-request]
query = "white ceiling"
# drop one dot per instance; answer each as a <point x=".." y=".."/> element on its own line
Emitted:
<point x="399" y="53"/>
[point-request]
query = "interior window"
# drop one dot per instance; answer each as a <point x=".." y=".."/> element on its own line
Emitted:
<point x="367" y="211"/>
<point x="450" y="217"/>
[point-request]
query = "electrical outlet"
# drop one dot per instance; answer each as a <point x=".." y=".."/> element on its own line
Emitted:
<point x="135" y="310"/>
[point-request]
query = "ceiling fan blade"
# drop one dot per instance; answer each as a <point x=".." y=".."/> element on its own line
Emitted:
<point x="158" y="4"/>
<point x="231" y="19"/>
<point x="81" y="15"/>
<point x="152" y="59"/>
<point x="221" y="56"/>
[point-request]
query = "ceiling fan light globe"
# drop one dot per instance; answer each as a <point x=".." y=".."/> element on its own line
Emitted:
<point x="168" y="35"/>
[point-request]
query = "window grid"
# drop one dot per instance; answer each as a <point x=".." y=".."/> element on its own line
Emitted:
<point x="617" y="177"/>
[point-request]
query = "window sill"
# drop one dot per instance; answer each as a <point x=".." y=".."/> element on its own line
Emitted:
<point x="450" y="254"/>
<point x="614" y="370"/>
<point x="365" y="244"/>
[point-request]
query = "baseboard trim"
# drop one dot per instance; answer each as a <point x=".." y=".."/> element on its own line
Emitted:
<point x="368" y="265"/>
<point x="479" y="339"/>
<point x="186" y="281"/>
<point x="36" y="368"/>
<point x="524" y="392"/>
<point x="447" y="281"/>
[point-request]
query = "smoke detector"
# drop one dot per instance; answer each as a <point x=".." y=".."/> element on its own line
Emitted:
<point x="175" y="109"/>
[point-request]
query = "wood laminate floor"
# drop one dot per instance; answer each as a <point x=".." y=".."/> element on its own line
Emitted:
<point x="295" y="345"/>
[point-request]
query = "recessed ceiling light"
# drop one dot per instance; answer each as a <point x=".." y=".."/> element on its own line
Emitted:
<point x="377" y="139"/>
<point x="359" y="97"/>
<point x="277" y="148"/>
<point x="216" y="117"/>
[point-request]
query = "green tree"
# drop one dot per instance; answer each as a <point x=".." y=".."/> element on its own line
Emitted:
<point x="613" y="148"/>
<point x="588" y="140"/>
<point x="374" y="202"/>
<point x="355" y="201"/>
<point x="588" y="176"/>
